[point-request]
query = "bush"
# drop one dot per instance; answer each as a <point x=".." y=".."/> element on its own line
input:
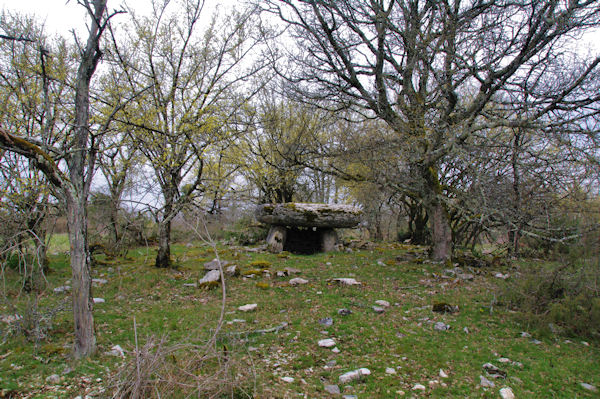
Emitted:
<point x="564" y="295"/>
<point x="247" y="232"/>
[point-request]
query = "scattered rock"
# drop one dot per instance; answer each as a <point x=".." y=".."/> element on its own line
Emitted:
<point x="378" y="309"/>
<point x="354" y="375"/>
<point x="297" y="281"/>
<point x="400" y="335"/>
<point x="536" y="342"/>
<point x="443" y="374"/>
<point x="466" y="330"/>
<point x="507" y="393"/>
<point x="382" y="303"/>
<point x="494" y="371"/>
<point x="465" y="276"/>
<point x="525" y="334"/>
<point x="380" y="262"/>
<point x="280" y="273"/>
<point x="98" y="300"/>
<point x="419" y="387"/>
<point x="211" y="278"/>
<point x="344" y="281"/>
<point x="191" y="285"/>
<point x="99" y="281"/>
<point x="330" y="364"/>
<point x="291" y="270"/>
<point x="61" y="289"/>
<point x="502" y="276"/>
<point x="248" y="308"/>
<point x="344" y="312"/>
<point x="585" y="343"/>
<point x="349" y="396"/>
<point x="214" y="264"/>
<point x="287" y="379"/>
<point x="117" y="351"/>
<point x="232" y="271"/>
<point x="588" y="387"/>
<point x="327" y="321"/>
<point x="53" y="379"/>
<point x="390" y="370"/>
<point x="332" y="389"/>
<point x="484" y="382"/>
<point x="234" y="321"/>
<point x="326" y="343"/>
<point x="440" y="326"/>
<point x="335" y="350"/>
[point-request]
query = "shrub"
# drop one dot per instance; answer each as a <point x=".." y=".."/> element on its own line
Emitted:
<point x="564" y="295"/>
<point x="246" y="231"/>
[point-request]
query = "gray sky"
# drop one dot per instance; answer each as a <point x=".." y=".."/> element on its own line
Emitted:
<point x="62" y="16"/>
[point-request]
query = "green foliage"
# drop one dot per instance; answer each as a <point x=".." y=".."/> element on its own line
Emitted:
<point x="246" y="231"/>
<point x="563" y="295"/>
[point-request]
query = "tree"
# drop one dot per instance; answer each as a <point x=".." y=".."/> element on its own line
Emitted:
<point x="78" y="150"/>
<point x="188" y="81"/>
<point x="31" y="105"/>
<point x="275" y="148"/>
<point x="431" y="71"/>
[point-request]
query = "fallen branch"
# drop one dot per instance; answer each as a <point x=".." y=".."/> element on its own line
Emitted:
<point x="275" y="330"/>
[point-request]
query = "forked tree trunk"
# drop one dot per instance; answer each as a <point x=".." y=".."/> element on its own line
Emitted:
<point x="85" y="341"/>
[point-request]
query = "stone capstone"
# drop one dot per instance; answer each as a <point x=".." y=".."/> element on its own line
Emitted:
<point x="309" y="215"/>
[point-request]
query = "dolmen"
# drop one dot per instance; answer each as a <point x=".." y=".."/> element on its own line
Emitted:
<point x="306" y="228"/>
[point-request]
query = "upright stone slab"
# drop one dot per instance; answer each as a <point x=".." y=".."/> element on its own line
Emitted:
<point x="329" y="240"/>
<point x="276" y="238"/>
<point x="306" y="228"/>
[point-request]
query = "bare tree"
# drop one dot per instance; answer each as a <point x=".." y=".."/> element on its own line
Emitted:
<point x="78" y="150"/>
<point x="188" y="79"/>
<point x="431" y="70"/>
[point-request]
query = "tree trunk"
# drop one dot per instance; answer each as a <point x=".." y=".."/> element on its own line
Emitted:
<point x="441" y="233"/>
<point x="514" y="232"/>
<point x="163" y="257"/>
<point x="85" y="341"/>
<point x="114" y="222"/>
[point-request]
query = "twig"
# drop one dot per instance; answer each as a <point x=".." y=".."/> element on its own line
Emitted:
<point x="137" y="353"/>
<point x="275" y="329"/>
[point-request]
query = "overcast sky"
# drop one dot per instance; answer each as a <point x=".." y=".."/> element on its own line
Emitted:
<point x="62" y="16"/>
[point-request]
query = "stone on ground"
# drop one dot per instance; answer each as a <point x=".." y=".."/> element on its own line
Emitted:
<point x="354" y="375"/>
<point x="588" y="387"/>
<point x="213" y="276"/>
<point x="297" y="281"/>
<point x="326" y="343"/>
<point x="507" y="393"/>
<point x="332" y="389"/>
<point x="248" y="308"/>
<point x="214" y="264"/>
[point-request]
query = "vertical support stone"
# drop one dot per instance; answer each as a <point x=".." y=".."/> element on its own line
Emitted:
<point x="329" y="240"/>
<point x="276" y="238"/>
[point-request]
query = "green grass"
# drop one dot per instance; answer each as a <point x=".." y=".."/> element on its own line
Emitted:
<point x="59" y="243"/>
<point x="161" y="305"/>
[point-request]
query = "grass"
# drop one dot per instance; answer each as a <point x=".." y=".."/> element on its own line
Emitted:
<point x="59" y="243"/>
<point x="402" y="337"/>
